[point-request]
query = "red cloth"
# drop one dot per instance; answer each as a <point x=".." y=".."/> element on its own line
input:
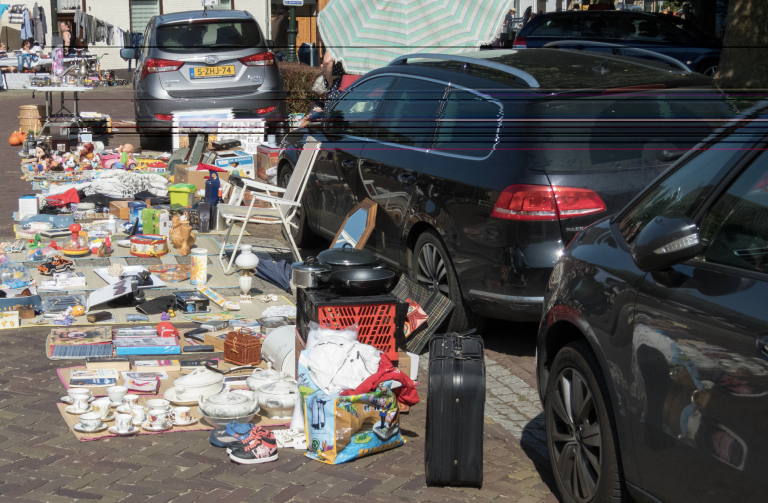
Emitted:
<point x="208" y="167"/>
<point x="406" y="394"/>
<point x="63" y="199"/>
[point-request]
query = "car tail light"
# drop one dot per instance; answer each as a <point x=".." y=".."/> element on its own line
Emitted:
<point x="261" y="59"/>
<point x="164" y="117"/>
<point x="262" y="111"/>
<point x="519" y="43"/>
<point x="156" y="65"/>
<point x="542" y="202"/>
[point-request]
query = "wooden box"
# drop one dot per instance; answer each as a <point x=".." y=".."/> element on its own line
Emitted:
<point x="242" y="349"/>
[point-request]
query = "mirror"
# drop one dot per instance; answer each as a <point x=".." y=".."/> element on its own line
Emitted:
<point x="128" y="54"/>
<point x="664" y="242"/>
<point x="357" y="227"/>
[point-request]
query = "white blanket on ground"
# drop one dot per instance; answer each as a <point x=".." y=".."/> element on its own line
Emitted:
<point x="121" y="184"/>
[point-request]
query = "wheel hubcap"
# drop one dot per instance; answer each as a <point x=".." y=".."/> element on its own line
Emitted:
<point x="431" y="269"/>
<point x="574" y="433"/>
<point x="711" y="71"/>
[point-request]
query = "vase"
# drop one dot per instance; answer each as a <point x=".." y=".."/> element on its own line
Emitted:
<point x="199" y="274"/>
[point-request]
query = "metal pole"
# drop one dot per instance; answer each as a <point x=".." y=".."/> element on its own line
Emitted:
<point x="293" y="30"/>
<point x="54" y="19"/>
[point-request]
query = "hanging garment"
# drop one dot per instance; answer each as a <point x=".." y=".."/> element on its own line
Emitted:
<point x="38" y="18"/>
<point x="101" y="30"/>
<point x="110" y="35"/>
<point x="79" y="22"/>
<point x="119" y="37"/>
<point x="26" y="26"/>
<point x="4" y="7"/>
<point x="16" y="16"/>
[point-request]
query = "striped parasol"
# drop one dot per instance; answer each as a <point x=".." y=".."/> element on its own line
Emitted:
<point x="368" y="34"/>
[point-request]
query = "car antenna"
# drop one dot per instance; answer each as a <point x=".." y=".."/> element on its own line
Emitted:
<point x="602" y="69"/>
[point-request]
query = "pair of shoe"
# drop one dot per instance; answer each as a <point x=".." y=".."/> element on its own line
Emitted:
<point x="291" y="438"/>
<point x="245" y="443"/>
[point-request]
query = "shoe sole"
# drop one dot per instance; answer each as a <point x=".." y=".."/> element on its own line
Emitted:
<point x="252" y="461"/>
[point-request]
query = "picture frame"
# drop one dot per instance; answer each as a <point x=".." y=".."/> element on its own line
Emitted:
<point x="368" y="205"/>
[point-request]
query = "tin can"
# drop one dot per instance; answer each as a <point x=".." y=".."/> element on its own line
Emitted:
<point x="199" y="274"/>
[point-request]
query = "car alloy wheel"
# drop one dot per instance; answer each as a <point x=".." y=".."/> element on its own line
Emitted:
<point x="574" y="431"/>
<point x="431" y="269"/>
<point x="710" y="71"/>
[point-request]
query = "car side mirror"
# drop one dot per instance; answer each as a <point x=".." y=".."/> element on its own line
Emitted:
<point x="665" y="242"/>
<point x="128" y="54"/>
<point x="271" y="44"/>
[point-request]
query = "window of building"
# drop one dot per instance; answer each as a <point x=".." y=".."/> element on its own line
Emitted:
<point x="141" y="12"/>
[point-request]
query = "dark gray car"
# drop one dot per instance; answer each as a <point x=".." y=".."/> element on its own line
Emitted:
<point x="191" y="62"/>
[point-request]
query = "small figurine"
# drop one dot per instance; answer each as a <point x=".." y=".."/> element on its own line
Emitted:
<point x="181" y="236"/>
<point x="126" y="157"/>
<point x="35" y="243"/>
<point x="95" y="161"/>
<point x="165" y="316"/>
<point x="171" y="313"/>
<point x="70" y="163"/>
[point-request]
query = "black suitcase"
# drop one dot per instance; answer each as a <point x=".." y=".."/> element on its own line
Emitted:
<point x="455" y="408"/>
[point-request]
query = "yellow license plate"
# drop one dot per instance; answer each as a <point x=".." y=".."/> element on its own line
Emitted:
<point x="204" y="72"/>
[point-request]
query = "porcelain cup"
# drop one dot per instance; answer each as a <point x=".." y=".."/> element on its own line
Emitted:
<point x="123" y="423"/>
<point x="158" y="403"/>
<point x="74" y="393"/>
<point x="91" y="420"/>
<point x="102" y="406"/>
<point x="130" y="400"/>
<point x="158" y="417"/>
<point x="138" y="413"/>
<point x="80" y="403"/>
<point x="182" y="415"/>
<point x="116" y="393"/>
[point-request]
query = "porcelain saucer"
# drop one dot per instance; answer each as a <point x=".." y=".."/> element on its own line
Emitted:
<point x="79" y="428"/>
<point x="116" y="404"/>
<point x="113" y="430"/>
<point x="123" y="409"/>
<point x="170" y="395"/>
<point x="68" y="399"/>
<point x="148" y="426"/>
<point x="110" y="417"/>
<point x="73" y="411"/>
<point x="190" y="423"/>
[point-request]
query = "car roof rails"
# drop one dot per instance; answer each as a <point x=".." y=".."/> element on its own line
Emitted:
<point x="524" y="76"/>
<point x="588" y="43"/>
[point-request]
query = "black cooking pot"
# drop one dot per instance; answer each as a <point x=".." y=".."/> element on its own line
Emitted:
<point x="361" y="281"/>
<point x="347" y="257"/>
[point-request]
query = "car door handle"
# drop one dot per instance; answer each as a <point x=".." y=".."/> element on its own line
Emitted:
<point x="406" y="177"/>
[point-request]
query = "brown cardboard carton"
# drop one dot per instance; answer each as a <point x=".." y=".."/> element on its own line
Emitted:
<point x="185" y="173"/>
<point x="266" y="157"/>
<point x="403" y="363"/>
<point x="120" y="209"/>
<point x="216" y="339"/>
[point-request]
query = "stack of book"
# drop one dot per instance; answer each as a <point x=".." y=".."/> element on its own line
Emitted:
<point x="92" y="378"/>
<point x="78" y="343"/>
<point x="144" y="341"/>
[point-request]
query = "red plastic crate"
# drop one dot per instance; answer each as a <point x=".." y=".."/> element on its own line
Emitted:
<point x="376" y="323"/>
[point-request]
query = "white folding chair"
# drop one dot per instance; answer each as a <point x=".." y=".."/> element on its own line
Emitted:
<point x="281" y="210"/>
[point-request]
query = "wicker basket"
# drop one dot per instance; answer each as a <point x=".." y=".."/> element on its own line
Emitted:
<point x="25" y="313"/>
<point x="242" y="349"/>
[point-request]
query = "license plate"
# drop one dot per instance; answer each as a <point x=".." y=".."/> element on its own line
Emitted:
<point x="204" y="72"/>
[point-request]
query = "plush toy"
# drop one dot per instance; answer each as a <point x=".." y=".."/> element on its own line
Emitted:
<point x="78" y="311"/>
<point x="95" y="161"/>
<point x="181" y="236"/>
<point x="70" y="162"/>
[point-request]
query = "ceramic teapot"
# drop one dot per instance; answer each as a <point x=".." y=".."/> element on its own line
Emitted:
<point x="227" y="404"/>
<point x="260" y="377"/>
<point x="277" y="399"/>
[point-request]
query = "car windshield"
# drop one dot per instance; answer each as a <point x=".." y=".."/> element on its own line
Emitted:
<point x="207" y="36"/>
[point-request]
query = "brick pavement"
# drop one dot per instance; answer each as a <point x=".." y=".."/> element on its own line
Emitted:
<point x="40" y="460"/>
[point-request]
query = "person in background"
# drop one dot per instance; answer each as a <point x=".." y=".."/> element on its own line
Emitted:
<point x="280" y="33"/>
<point x="66" y="34"/>
<point x="509" y="20"/>
<point x="603" y="5"/>
<point x="332" y="71"/>
<point x="688" y="13"/>
<point x="26" y="58"/>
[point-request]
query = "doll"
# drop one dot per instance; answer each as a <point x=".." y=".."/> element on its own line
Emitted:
<point x="69" y="162"/>
<point x="95" y="161"/>
<point x="126" y="157"/>
<point x="43" y="162"/>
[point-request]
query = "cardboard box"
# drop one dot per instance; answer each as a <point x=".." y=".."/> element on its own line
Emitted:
<point x="237" y="161"/>
<point x="216" y="339"/>
<point x="185" y="173"/>
<point x="266" y="157"/>
<point x="120" y="209"/>
<point x="403" y="363"/>
<point x="28" y="205"/>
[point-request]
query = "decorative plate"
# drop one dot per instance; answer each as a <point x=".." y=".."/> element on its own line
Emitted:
<point x="174" y="276"/>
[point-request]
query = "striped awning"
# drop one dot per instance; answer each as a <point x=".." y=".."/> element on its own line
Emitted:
<point x="368" y="34"/>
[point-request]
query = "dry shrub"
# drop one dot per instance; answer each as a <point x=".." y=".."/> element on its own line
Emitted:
<point x="298" y="79"/>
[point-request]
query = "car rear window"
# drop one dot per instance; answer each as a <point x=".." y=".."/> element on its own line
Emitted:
<point x="632" y="130"/>
<point x="208" y="36"/>
<point x="557" y="27"/>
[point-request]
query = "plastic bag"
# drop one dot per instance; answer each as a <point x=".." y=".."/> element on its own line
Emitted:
<point x="343" y="428"/>
<point x="317" y="334"/>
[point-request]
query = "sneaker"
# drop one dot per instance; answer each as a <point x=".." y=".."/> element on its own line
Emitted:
<point x="259" y="450"/>
<point x="232" y="434"/>
<point x="256" y="433"/>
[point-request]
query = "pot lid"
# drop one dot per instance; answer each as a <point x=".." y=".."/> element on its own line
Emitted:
<point x="311" y="264"/>
<point x="200" y="377"/>
<point x="228" y="398"/>
<point x="279" y="388"/>
<point x="346" y="255"/>
<point x="269" y="375"/>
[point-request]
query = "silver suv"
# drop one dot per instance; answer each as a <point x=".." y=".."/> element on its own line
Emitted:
<point x="191" y="61"/>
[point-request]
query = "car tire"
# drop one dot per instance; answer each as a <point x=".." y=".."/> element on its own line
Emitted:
<point x="584" y="452"/>
<point x="429" y="244"/>
<point x="303" y="236"/>
<point x="708" y="67"/>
